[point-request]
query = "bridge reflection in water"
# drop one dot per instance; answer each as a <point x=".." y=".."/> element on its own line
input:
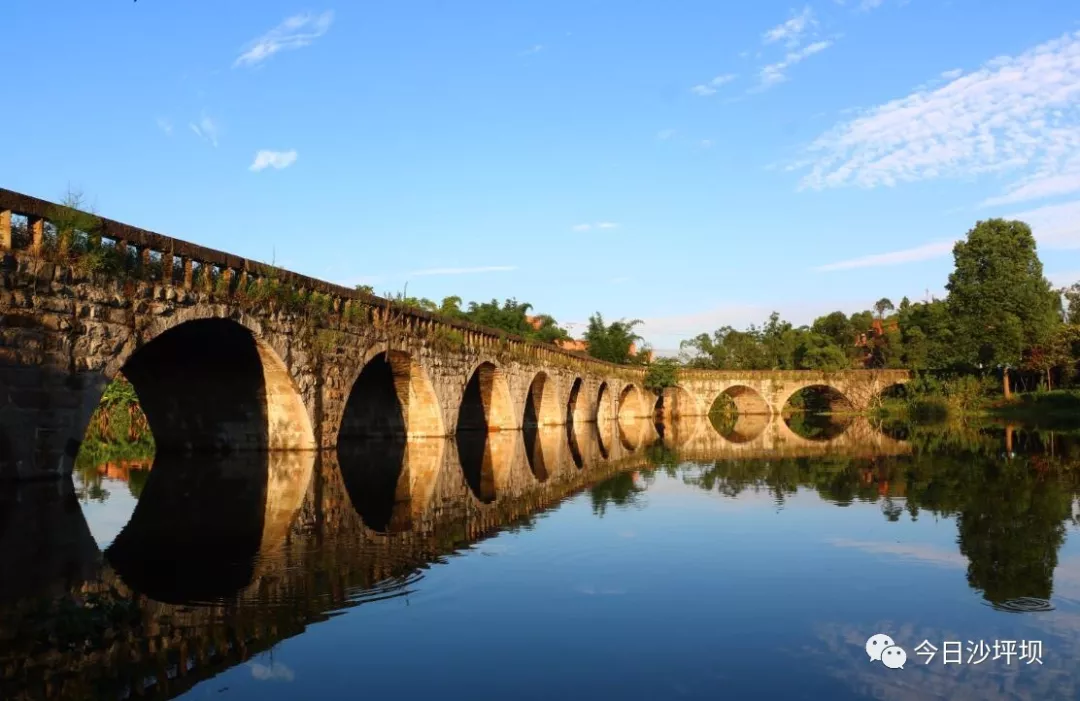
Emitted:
<point x="222" y="558"/>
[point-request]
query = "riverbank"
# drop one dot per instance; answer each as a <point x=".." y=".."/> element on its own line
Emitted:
<point x="1055" y="409"/>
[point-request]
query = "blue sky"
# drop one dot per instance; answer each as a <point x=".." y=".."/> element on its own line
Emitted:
<point x="691" y="164"/>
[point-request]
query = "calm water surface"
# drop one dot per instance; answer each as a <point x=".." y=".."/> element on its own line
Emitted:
<point x="609" y="562"/>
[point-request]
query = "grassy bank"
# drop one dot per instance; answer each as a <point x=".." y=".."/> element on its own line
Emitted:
<point x="1059" y="408"/>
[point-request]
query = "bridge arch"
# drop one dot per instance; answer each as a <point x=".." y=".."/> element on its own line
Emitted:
<point x="486" y="404"/>
<point x="746" y="399"/>
<point x="633" y="403"/>
<point x="604" y="412"/>
<point x="391" y="395"/>
<point x="676" y="402"/>
<point x="542" y="406"/>
<point x="577" y="403"/>
<point x="214" y="385"/>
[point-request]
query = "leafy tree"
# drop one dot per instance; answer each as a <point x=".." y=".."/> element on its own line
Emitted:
<point x="662" y="373"/>
<point x="1072" y="303"/>
<point x="999" y="302"/>
<point x="613" y="342"/>
<point x="883" y="305"/>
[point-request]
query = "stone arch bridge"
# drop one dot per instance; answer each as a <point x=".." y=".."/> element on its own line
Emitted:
<point x="227" y="354"/>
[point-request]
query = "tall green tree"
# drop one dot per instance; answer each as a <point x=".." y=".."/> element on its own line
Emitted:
<point x="999" y="302"/>
<point x="614" y="342"/>
<point x="1072" y="303"/>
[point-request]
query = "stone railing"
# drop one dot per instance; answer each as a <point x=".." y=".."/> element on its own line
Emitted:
<point x="190" y="266"/>
<point x="790" y="375"/>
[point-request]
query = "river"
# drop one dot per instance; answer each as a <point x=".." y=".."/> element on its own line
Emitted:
<point x="628" y="561"/>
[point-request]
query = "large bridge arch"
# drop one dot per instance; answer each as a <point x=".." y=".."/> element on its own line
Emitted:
<point x="747" y="400"/>
<point x="577" y="402"/>
<point x="486" y="403"/>
<point x="604" y="412"/>
<point x="542" y="404"/>
<point x="212" y="384"/>
<point x="634" y="403"/>
<point x="391" y="394"/>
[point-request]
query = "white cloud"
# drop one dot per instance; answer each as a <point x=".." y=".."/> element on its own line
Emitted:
<point x="1054" y="226"/>
<point x="463" y="271"/>
<point x="867" y="5"/>
<point x="206" y="128"/>
<point x="165" y="126"/>
<point x="706" y="143"/>
<point x="953" y="74"/>
<point x="927" y="251"/>
<point x="295" y="32"/>
<point x="598" y="225"/>
<point x="272" y="159"/>
<point x="775" y="72"/>
<point x="665" y="134"/>
<point x="706" y="89"/>
<point x="1015" y="113"/>
<point x="273" y="671"/>
<point x="791" y="32"/>
<point x="534" y="49"/>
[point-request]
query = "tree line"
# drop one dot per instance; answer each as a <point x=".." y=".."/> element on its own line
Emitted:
<point x="1000" y="315"/>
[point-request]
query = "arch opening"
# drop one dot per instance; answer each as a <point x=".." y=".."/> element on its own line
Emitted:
<point x="817" y="413"/>
<point x="486" y="459"/>
<point x="392" y="396"/>
<point x="485" y="404"/>
<point x="603" y="404"/>
<point x="542" y="403"/>
<point x="210" y="386"/>
<point x="391" y="401"/>
<point x="739" y="414"/>
<point x="632" y="403"/>
<point x="674" y="403"/>
<point x="576" y="404"/>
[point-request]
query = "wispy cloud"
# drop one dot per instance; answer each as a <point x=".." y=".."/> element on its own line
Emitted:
<point x="598" y="225"/>
<point x="1016" y="113"/>
<point x="907" y="255"/>
<point x="953" y="74"/>
<point x="534" y="49"/>
<point x="665" y="134"/>
<point x="165" y="126"/>
<point x="776" y="72"/>
<point x="206" y="128"/>
<point x="1054" y="226"/>
<point x="867" y="5"/>
<point x="275" y="671"/>
<point x="295" y="32"/>
<point x="273" y="159"/>
<point x="791" y="32"/>
<point x="463" y="271"/>
<point x="706" y="143"/>
<point x="709" y="88"/>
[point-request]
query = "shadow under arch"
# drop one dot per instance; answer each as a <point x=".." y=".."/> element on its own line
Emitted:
<point x="603" y="412"/>
<point x="542" y="403"/>
<point x="391" y="396"/>
<point x="486" y="404"/>
<point x="196" y="530"/>
<point x="809" y="413"/>
<point x="572" y="443"/>
<point x="211" y="386"/>
<point x="577" y="405"/>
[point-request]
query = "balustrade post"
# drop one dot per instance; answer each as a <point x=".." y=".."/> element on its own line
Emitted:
<point x="227" y="276"/>
<point x="36" y="225"/>
<point x="5" y="230"/>
<point x="189" y="280"/>
<point x="167" y="267"/>
<point x="142" y="261"/>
